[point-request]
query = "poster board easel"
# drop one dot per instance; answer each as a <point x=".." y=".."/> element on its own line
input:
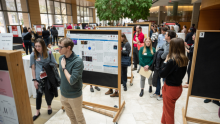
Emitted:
<point x="131" y="78"/>
<point x="121" y="106"/>
<point x="14" y="25"/>
<point x="14" y="65"/>
<point x="184" y="110"/>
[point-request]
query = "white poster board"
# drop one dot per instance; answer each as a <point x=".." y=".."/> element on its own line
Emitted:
<point x="145" y="31"/>
<point x="60" y="29"/>
<point x="128" y="31"/>
<point x="6" y="41"/>
<point x="15" y="29"/>
<point x="99" y="52"/>
<point x="8" y="111"/>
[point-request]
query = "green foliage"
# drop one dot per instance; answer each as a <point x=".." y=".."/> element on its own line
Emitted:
<point x="116" y="9"/>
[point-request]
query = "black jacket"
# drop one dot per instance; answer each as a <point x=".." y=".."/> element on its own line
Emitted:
<point x="127" y="50"/>
<point x="45" y="34"/>
<point x="27" y="37"/>
<point x="54" y="31"/>
<point x="51" y="81"/>
<point x="156" y="65"/>
<point x="189" y="39"/>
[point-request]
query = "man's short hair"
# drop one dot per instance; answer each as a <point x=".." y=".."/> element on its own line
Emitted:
<point x="139" y="27"/>
<point x="164" y="29"/>
<point x="171" y="34"/>
<point x="67" y="42"/>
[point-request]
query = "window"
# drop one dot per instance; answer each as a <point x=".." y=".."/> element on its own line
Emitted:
<point x="50" y="20"/>
<point x="44" y="19"/>
<point x="21" y="6"/>
<point x="78" y="11"/>
<point x="58" y="19"/>
<point x="23" y="19"/>
<point x="81" y="11"/>
<point x="64" y="17"/>
<point x="57" y="7"/>
<point x="13" y="18"/>
<point x="68" y="9"/>
<point x="42" y="5"/>
<point x="9" y="5"/>
<point x="86" y="19"/>
<point x="78" y="19"/>
<point x="50" y="7"/>
<point x="63" y="8"/>
<point x="2" y="23"/>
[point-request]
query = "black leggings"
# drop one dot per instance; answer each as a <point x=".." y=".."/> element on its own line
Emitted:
<point x="188" y="71"/>
<point x="124" y="75"/>
<point x="55" y="37"/>
<point x="135" y="56"/>
<point x="28" y="45"/>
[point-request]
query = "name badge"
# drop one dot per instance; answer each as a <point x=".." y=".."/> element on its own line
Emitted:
<point x="38" y="59"/>
<point x="163" y="39"/>
<point x="124" y="49"/>
<point x="145" y="54"/>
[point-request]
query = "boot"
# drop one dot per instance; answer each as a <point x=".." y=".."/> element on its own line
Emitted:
<point x="110" y="91"/>
<point x="142" y="92"/>
<point x="114" y="95"/>
<point x="150" y="89"/>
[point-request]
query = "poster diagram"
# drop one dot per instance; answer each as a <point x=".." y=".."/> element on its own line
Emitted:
<point x="60" y="29"/>
<point x="99" y="53"/>
<point x="6" y="41"/>
<point x="8" y="112"/>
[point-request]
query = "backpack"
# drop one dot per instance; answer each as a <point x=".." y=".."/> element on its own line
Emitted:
<point x="56" y="73"/>
<point x="55" y="33"/>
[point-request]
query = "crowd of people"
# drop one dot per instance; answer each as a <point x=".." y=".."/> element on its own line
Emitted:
<point x="162" y="53"/>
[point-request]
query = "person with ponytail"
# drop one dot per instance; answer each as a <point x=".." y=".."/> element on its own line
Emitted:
<point x="146" y="55"/>
<point x="173" y="70"/>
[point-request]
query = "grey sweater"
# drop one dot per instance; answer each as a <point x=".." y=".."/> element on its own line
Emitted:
<point x="165" y="47"/>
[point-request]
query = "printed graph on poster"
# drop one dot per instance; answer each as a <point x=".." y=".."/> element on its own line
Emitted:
<point x="6" y="41"/>
<point x="8" y="112"/>
<point x="99" y="53"/>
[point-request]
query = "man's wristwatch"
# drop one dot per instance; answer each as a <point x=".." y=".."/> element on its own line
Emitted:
<point x="34" y="79"/>
<point x="64" y="69"/>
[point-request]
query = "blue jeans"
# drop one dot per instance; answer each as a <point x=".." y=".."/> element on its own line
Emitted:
<point x="28" y="44"/>
<point x="158" y="86"/>
<point x="46" y="40"/>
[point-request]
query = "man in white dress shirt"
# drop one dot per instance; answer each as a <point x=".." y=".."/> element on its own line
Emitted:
<point x="176" y="28"/>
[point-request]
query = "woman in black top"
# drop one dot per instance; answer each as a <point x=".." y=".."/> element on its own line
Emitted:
<point x="26" y="36"/>
<point x="46" y="35"/>
<point x="173" y="70"/>
<point x="190" y="56"/>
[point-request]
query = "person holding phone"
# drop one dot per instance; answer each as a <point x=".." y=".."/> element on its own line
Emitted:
<point x="146" y="55"/>
<point x="173" y="70"/>
<point x="38" y="58"/>
<point x="138" y="38"/>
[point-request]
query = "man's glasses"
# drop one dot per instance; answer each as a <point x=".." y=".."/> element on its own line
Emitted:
<point x="60" y="47"/>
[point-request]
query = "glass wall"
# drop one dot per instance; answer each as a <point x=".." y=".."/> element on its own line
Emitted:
<point x="55" y="12"/>
<point x="84" y="14"/>
<point x="13" y="12"/>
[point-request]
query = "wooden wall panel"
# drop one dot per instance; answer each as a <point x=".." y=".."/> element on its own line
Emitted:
<point x="209" y="3"/>
<point x="188" y="25"/>
<point x="209" y="20"/>
<point x="34" y="11"/>
<point x="74" y="13"/>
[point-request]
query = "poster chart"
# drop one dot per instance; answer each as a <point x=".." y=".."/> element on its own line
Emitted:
<point x="15" y="29"/>
<point x="6" y="41"/>
<point x="128" y="31"/>
<point x="99" y="52"/>
<point x="39" y="29"/>
<point x="8" y="112"/>
<point x="145" y="28"/>
<point x="60" y="29"/>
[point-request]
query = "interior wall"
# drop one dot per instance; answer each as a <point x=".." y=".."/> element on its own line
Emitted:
<point x="188" y="25"/>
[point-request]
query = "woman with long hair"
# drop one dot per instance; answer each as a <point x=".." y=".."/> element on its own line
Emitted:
<point x="34" y="35"/>
<point x="146" y="55"/>
<point x="26" y="36"/>
<point x="154" y="38"/>
<point x="38" y="58"/>
<point x="173" y="70"/>
<point x="125" y="51"/>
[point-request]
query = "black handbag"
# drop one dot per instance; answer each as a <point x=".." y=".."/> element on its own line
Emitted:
<point x="55" y="71"/>
<point x="125" y="61"/>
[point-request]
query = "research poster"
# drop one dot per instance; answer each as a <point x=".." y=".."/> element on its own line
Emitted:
<point x="99" y="52"/>
<point x="39" y="29"/>
<point x="6" y="41"/>
<point x="16" y="30"/>
<point x="128" y="31"/>
<point x="145" y="31"/>
<point x="60" y="30"/>
<point x="8" y="112"/>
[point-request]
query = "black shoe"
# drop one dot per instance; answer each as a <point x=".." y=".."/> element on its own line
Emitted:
<point x="207" y="100"/>
<point x="35" y="117"/>
<point x="134" y="69"/>
<point x="125" y="88"/>
<point x="216" y="102"/>
<point x="142" y="93"/>
<point x="150" y="89"/>
<point x="49" y="111"/>
<point x="97" y="88"/>
<point x="91" y="89"/>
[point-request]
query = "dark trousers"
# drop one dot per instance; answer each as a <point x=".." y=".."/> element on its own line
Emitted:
<point x="124" y="71"/>
<point x="46" y="40"/>
<point x="154" y="44"/>
<point x="158" y="88"/>
<point x="28" y="45"/>
<point x="55" y="37"/>
<point x="48" y="96"/>
<point x="188" y="71"/>
<point x="135" y="56"/>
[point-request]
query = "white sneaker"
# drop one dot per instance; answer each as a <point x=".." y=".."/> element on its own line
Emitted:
<point x="153" y="95"/>
<point x="159" y="98"/>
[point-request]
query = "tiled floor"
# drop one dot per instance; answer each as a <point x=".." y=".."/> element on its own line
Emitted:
<point x="140" y="110"/>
